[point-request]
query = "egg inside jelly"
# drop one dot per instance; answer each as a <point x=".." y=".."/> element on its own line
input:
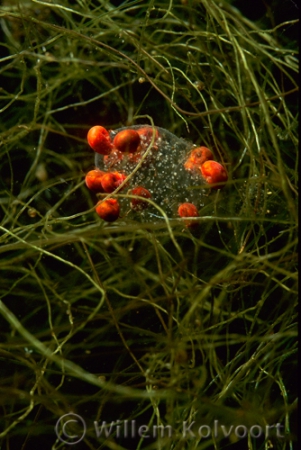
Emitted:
<point x="162" y="171"/>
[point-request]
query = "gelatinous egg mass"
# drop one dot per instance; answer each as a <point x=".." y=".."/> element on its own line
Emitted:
<point x="161" y="166"/>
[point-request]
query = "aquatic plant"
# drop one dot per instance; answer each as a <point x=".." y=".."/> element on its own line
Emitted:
<point x="188" y="331"/>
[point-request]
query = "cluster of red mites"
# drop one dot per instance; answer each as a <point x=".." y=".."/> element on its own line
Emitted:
<point x="200" y="162"/>
<point x="126" y="141"/>
<point x="131" y="143"/>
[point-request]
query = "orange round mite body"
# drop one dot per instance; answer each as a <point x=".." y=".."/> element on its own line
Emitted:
<point x="93" y="180"/>
<point x="214" y="173"/>
<point x="99" y="140"/>
<point x="108" y="210"/>
<point x="188" y="210"/>
<point x="127" y="141"/>
<point x="136" y="203"/>
<point x="197" y="157"/>
<point x="111" y="180"/>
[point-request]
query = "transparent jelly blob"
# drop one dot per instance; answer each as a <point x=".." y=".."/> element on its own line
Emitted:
<point x="161" y="172"/>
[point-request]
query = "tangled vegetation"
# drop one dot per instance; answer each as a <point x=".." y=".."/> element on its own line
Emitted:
<point x="189" y="333"/>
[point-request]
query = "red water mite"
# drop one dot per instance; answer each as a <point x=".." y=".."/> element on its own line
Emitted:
<point x="99" y="139"/>
<point x="108" y="210"/>
<point x="93" y="180"/>
<point x="197" y="157"/>
<point x="214" y="173"/>
<point x="127" y="141"/>
<point x="111" y="180"/>
<point x="138" y="204"/>
<point x="188" y="210"/>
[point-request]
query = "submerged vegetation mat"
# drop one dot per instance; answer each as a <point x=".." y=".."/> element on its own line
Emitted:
<point x="142" y="334"/>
